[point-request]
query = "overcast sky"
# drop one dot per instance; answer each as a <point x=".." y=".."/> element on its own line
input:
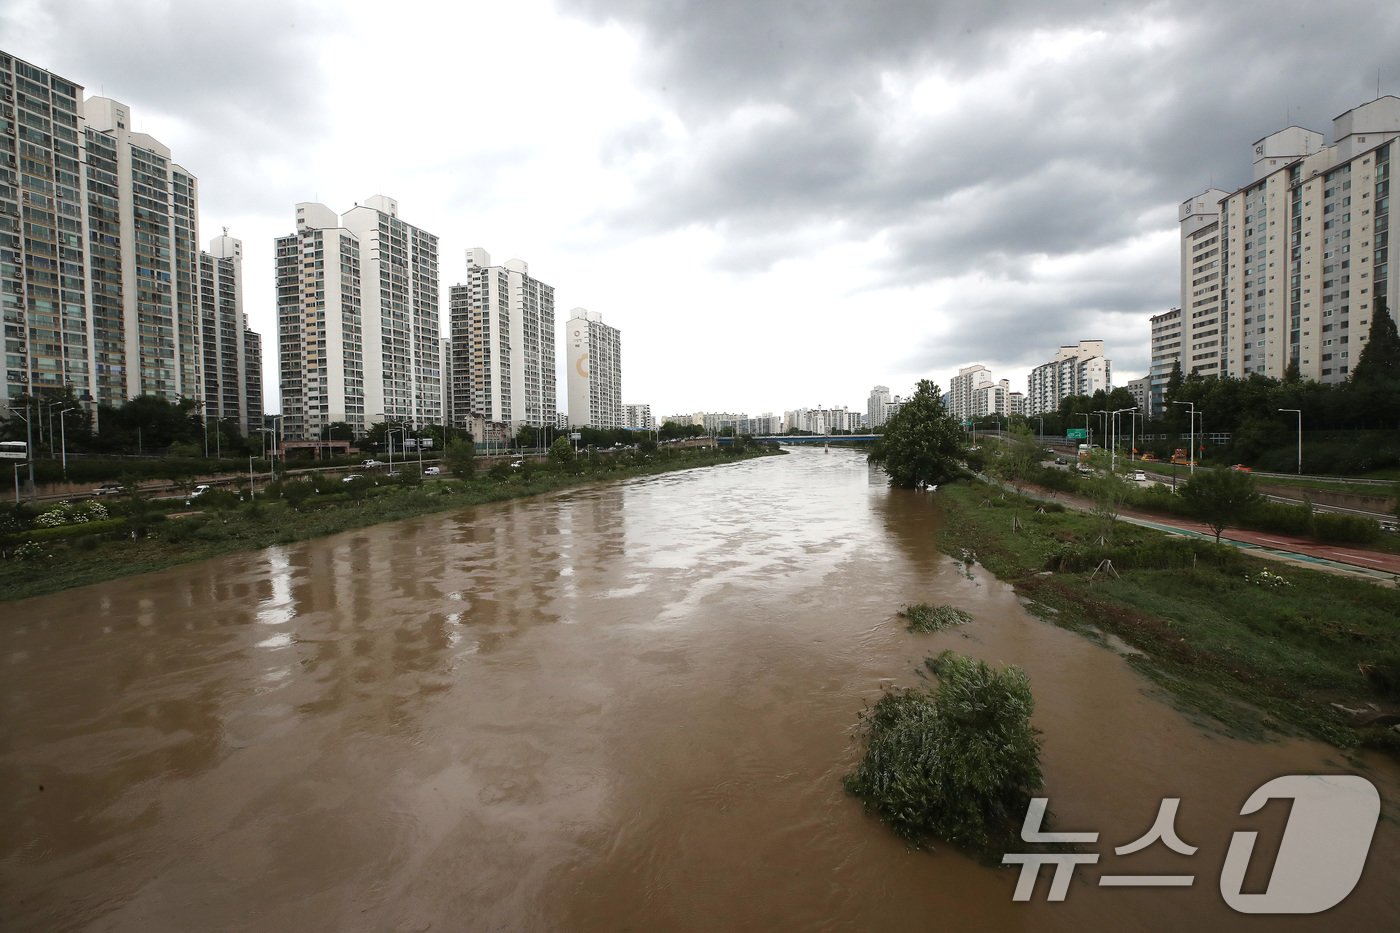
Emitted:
<point x="779" y="204"/>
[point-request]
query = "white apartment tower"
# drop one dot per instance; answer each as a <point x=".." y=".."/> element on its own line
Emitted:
<point x="399" y="304"/>
<point x="503" y="345"/>
<point x="227" y="341"/>
<point x="320" y="343"/>
<point x="103" y="288"/>
<point x="143" y="259"/>
<point x="1166" y="350"/>
<point x="43" y="242"/>
<point x="876" y="405"/>
<point x="1202" y="342"/>
<point x="1077" y="369"/>
<point x="594" y="373"/>
<point x="1306" y="246"/>
<point x="638" y="417"/>
<point x="973" y="393"/>
<point x="357" y="320"/>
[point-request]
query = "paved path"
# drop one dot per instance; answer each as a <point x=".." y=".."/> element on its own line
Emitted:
<point x="1379" y="566"/>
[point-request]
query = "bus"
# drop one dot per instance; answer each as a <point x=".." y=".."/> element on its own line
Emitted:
<point x="14" y="450"/>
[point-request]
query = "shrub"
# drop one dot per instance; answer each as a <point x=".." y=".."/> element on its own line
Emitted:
<point x="958" y="763"/>
<point x="296" y="493"/>
<point x="925" y="618"/>
<point x="1344" y="529"/>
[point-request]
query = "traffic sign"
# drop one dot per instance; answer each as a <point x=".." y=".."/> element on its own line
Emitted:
<point x="1076" y="434"/>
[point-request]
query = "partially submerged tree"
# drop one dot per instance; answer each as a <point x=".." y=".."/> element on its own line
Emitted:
<point x="1220" y="498"/>
<point x="921" y="443"/>
<point x="959" y="763"/>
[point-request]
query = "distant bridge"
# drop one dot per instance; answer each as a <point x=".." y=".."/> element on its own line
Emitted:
<point x="807" y="439"/>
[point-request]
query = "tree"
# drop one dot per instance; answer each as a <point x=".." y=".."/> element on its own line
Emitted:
<point x="1020" y="456"/>
<point x="338" y="431"/>
<point x="561" y="451"/>
<point x="958" y="763"/>
<point x="922" y="443"/>
<point x="460" y="457"/>
<point x="1220" y="498"/>
<point x="1380" y="358"/>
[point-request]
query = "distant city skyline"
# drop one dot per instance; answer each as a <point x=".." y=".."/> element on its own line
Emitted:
<point x="804" y="205"/>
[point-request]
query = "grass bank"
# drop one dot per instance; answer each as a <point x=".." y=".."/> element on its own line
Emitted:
<point x="1250" y="645"/>
<point x="145" y="535"/>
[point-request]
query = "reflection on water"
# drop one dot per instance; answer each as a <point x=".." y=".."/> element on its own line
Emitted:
<point x="621" y="707"/>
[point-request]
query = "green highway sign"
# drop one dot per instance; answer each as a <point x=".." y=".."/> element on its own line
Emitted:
<point x="1076" y="434"/>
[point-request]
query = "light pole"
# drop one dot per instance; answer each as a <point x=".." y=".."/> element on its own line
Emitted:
<point x="389" y="440"/>
<point x="1113" y="458"/>
<point x="1299" y="413"/>
<point x="1191" y="454"/>
<point x="28" y="444"/>
<point x="63" y="435"/>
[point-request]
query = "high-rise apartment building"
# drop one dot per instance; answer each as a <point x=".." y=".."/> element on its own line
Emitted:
<point x="43" y="237"/>
<point x="320" y="342"/>
<point x="1202" y="335"/>
<point x="503" y="345"/>
<point x="875" y="411"/>
<point x="100" y="268"/>
<point x="594" y="371"/>
<point x="226" y="339"/>
<point x="1166" y="344"/>
<point x="1141" y="391"/>
<point x="973" y="393"/>
<point x="399" y="305"/>
<point x="358" y="320"/>
<point x="1077" y="369"/>
<point x="143" y="236"/>
<point x="638" y="418"/>
<point x="1304" y="249"/>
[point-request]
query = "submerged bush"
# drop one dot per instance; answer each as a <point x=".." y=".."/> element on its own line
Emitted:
<point x="925" y="618"/>
<point x="959" y="762"/>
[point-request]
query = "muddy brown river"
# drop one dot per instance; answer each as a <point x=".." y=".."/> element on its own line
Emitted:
<point x="621" y="708"/>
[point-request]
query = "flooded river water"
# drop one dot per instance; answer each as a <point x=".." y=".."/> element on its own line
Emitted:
<point x="624" y="707"/>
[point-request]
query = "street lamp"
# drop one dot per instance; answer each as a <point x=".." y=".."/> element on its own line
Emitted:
<point x="28" y="444"/>
<point x="1299" y="413"/>
<point x="389" y="440"/>
<point x="1113" y="457"/>
<point x="63" y="434"/>
<point x="1191" y="454"/>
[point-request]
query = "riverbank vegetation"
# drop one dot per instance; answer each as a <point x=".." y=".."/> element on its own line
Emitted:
<point x="53" y="546"/>
<point x="925" y="618"/>
<point x="1251" y="645"/>
<point x="957" y="763"/>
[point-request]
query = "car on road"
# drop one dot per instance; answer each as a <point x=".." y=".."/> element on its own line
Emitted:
<point x="1061" y="461"/>
<point x="351" y="477"/>
<point x="1241" y="468"/>
<point x="516" y="464"/>
<point x="1139" y="476"/>
<point x="371" y="464"/>
<point x="1085" y="469"/>
<point x="109" y="490"/>
<point x="432" y="471"/>
<point x="200" y="490"/>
